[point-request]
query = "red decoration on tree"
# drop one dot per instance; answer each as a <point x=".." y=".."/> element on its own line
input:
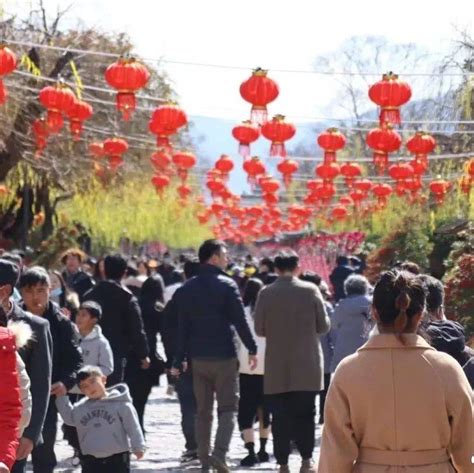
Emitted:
<point x="421" y="144"/>
<point x="161" y="182"/>
<point x="270" y="199"/>
<point x="246" y="133"/>
<point x="127" y="75"/>
<point x="216" y="186"/>
<point x="383" y="140"/>
<point x="390" y="94"/>
<point x="363" y="185"/>
<point x="331" y="140"/>
<point x="184" y="161"/>
<point x="259" y="90"/>
<point x="7" y="66"/>
<point x="58" y="100"/>
<point x="400" y="171"/>
<point x="439" y="189"/>
<point x="269" y="185"/>
<point x="166" y="121"/>
<point x="278" y="131"/>
<point x="41" y="132"/>
<point x="287" y="168"/>
<point x="350" y="171"/>
<point x="78" y="113"/>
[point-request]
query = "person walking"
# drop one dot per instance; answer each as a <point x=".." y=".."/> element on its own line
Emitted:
<point x="291" y="315"/>
<point x="397" y="404"/>
<point x="209" y="305"/>
<point x="184" y="383"/>
<point x="75" y="278"/>
<point x="339" y="274"/>
<point x="35" y="287"/>
<point x="351" y="320"/>
<point x="252" y="404"/>
<point x="37" y="357"/>
<point x="121" y="320"/>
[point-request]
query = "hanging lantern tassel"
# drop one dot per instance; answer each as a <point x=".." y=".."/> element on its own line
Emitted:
<point x="126" y="104"/>
<point x="183" y="174"/>
<point x="278" y="149"/>
<point x="115" y="162"/>
<point x="380" y="162"/>
<point x="75" y="127"/>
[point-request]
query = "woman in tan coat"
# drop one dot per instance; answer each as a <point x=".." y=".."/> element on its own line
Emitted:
<point x="397" y="405"/>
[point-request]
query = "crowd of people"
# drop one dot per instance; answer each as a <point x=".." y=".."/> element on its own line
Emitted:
<point x="262" y="339"/>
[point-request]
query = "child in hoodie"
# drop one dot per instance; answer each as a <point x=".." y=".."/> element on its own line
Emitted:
<point x="106" y="421"/>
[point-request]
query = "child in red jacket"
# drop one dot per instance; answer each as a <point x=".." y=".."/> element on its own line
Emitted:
<point x="10" y="402"/>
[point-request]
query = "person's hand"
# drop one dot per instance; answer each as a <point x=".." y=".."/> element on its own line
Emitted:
<point x="24" y="448"/>
<point x="139" y="455"/>
<point x="58" y="389"/>
<point x="253" y="361"/>
<point x="184" y="366"/>
<point x="66" y="312"/>
<point x="146" y="363"/>
<point x="4" y="468"/>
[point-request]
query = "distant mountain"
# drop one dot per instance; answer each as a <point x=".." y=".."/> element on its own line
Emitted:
<point x="213" y="137"/>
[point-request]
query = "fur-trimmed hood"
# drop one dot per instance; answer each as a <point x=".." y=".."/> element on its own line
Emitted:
<point x="22" y="331"/>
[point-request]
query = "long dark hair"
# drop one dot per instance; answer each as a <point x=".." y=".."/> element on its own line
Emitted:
<point x="152" y="292"/>
<point x="398" y="297"/>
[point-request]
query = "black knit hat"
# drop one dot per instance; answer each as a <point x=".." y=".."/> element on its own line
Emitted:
<point x="447" y="336"/>
<point x="9" y="272"/>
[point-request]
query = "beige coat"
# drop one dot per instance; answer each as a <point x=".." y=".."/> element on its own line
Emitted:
<point x="398" y="409"/>
<point x="291" y="315"/>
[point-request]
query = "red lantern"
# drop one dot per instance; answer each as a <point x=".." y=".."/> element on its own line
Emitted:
<point x="331" y="140"/>
<point x="78" y="113"/>
<point x="184" y="191"/>
<point x="363" y="185"/>
<point x="390" y="94"/>
<point x="400" y="171"/>
<point x="254" y="168"/>
<point x="114" y="148"/>
<point x="161" y="160"/>
<point x="259" y="90"/>
<point x="7" y="66"/>
<point x="325" y="192"/>
<point x="254" y="211"/>
<point x="357" y="196"/>
<point x="216" y="186"/>
<point x="269" y="185"/>
<point x="184" y="161"/>
<point x="327" y="171"/>
<point x="287" y="168"/>
<point x="278" y="131"/>
<point x="127" y="75"/>
<point x="314" y="184"/>
<point x="470" y="168"/>
<point x="339" y="213"/>
<point x="58" y="100"/>
<point x="160" y="181"/>
<point x="41" y="131"/>
<point x="383" y="140"/>
<point x="346" y="200"/>
<point x="270" y="199"/>
<point x="350" y="171"/>
<point x="421" y="144"/>
<point x="420" y="166"/>
<point x="246" y="133"/>
<point x="465" y="184"/>
<point x="382" y="192"/>
<point x="224" y="165"/>
<point x="439" y="188"/>
<point x="165" y="121"/>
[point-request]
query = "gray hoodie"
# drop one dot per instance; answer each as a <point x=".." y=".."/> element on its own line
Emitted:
<point x="96" y="351"/>
<point x="106" y="426"/>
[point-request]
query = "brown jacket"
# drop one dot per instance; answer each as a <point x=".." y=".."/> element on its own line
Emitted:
<point x="392" y="406"/>
<point x="291" y="315"/>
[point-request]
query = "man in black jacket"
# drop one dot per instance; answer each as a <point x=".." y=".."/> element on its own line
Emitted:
<point x="35" y="290"/>
<point x="121" y="321"/>
<point x="37" y="358"/>
<point x="209" y="306"/>
<point x="340" y="273"/>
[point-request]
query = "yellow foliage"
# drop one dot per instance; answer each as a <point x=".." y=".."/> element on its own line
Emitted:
<point x="134" y="210"/>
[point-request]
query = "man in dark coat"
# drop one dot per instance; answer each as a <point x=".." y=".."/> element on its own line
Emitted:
<point x="37" y="356"/>
<point x="121" y="321"/>
<point x="340" y="273"/>
<point x="75" y="278"/>
<point x="184" y="384"/>
<point x="209" y="306"/>
<point x="35" y="287"/>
